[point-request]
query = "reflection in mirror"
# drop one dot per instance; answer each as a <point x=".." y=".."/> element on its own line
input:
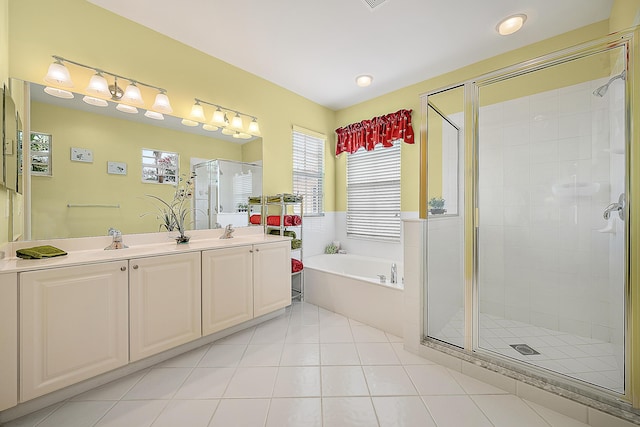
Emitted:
<point x="445" y="225"/>
<point x="2" y="130"/>
<point x="96" y="165"/>
<point x="222" y="191"/>
<point x="10" y="148"/>
<point x="444" y="133"/>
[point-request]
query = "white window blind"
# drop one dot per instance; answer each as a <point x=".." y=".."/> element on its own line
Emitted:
<point x="373" y="193"/>
<point x="308" y="170"/>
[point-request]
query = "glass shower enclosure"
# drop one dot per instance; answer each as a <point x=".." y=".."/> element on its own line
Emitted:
<point x="530" y="267"/>
<point x="222" y="189"/>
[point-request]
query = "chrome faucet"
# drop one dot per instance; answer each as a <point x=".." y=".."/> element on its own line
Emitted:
<point x="117" y="240"/>
<point x="228" y="230"/>
<point x="394" y="273"/>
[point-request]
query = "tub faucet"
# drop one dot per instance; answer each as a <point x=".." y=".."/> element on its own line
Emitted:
<point x="394" y="273"/>
<point x="117" y="240"/>
<point x="228" y="230"/>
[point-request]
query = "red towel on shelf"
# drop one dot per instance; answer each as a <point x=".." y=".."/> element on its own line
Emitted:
<point x="296" y="265"/>
<point x="254" y="219"/>
<point x="289" y="220"/>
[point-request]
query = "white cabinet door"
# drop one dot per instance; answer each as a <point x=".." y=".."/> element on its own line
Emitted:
<point x="227" y="288"/>
<point x="271" y="277"/>
<point x="8" y="340"/>
<point x="164" y="298"/>
<point x="73" y="325"/>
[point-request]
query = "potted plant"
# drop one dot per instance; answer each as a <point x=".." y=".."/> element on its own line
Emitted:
<point x="436" y="206"/>
<point x="172" y="215"/>
<point x="164" y="164"/>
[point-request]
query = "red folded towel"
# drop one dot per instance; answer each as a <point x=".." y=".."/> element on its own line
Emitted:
<point x="296" y="265"/>
<point x="254" y="219"/>
<point x="289" y="220"/>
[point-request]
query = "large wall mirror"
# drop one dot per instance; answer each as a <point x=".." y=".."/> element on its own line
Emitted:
<point x="87" y="165"/>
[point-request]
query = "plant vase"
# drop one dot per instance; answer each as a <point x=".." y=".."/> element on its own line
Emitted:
<point x="183" y="238"/>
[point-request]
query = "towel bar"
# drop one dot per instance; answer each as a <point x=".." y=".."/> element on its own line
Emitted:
<point x="75" y="205"/>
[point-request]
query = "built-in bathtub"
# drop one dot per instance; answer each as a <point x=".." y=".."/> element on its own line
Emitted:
<point x="350" y="285"/>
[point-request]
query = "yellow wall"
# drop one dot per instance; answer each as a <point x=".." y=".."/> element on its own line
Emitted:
<point x="5" y="195"/>
<point x="88" y="34"/>
<point x="110" y="139"/>
<point x="409" y="97"/>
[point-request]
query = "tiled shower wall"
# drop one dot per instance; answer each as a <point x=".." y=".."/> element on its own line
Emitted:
<point x="543" y="185"/>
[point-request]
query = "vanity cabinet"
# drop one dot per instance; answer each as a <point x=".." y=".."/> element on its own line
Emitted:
<point x="73" y="325"/>
<point x="164" y="299"/>
<point x="227" y="288"/>
<point x="271" y="277"/>
<point x="8" y="340"/>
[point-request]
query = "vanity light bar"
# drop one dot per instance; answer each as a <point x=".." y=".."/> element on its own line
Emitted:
<point x="59" y="75"/>
<point x="220" y="120"/>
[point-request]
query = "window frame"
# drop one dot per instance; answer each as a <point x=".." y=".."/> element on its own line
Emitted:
<point x="307" y="166"/>
<point x="374" y="193"/>
<point x="171" y="175"/>
<point x="35" y="153"/>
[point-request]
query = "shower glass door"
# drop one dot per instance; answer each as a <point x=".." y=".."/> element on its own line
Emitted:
<point x="551" y="188"/>
<point x="445" y="313"/>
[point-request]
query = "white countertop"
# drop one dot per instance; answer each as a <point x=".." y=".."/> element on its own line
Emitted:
<point x="91" y="250"/>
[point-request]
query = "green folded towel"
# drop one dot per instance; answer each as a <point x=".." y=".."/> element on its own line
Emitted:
<point x="38" y="252"/>
<point x="288" y="233"/>
<point x="296" y="244"/>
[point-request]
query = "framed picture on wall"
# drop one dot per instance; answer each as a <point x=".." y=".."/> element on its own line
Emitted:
<point x="117" y="168"/>
<point x="81" y="155"/>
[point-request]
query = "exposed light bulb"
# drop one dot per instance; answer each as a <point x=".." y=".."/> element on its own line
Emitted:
<point x="95" y="101"/>
<point x="58" y="74"/>
<point x="58" y="93"/>
<point x="132" y="95"/>
<point x="162" y="104"/>
<point x="98" y="86"/>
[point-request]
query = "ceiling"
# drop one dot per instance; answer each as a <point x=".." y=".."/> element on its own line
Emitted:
<point x="316" y="49"/>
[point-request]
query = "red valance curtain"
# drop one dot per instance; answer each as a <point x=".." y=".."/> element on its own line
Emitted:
<point x="378" y="130"/>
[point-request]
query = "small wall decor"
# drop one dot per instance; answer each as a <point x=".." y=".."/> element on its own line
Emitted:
<point x="117" y="168"/>
<point x="81" y="155"/>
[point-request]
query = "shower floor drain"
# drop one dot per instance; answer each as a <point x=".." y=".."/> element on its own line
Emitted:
<point x="524" y="349"/>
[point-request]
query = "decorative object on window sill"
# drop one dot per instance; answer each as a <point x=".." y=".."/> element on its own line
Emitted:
<point x="100" y="90"/>
<point x="220" y="120"/>
<point x="436" y="206"/>
<point x="378" y="130"/>
<point x="173" y="215"/>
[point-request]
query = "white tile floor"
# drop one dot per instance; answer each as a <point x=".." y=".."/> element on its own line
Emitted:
<point x="309" y="367"/>
<point x="586" y="359"/>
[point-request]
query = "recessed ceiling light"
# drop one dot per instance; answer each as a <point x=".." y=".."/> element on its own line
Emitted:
<point x="511" y="24"/>
<point x="364" y="80"/>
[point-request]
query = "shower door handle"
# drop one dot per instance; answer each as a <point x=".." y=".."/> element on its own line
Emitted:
<point x="616" y="207"/>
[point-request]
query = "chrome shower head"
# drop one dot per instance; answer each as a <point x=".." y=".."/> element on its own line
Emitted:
<point x="605" y="87"/>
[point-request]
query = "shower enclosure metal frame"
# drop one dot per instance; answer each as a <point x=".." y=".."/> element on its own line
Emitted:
<point x="629" y="42"/>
